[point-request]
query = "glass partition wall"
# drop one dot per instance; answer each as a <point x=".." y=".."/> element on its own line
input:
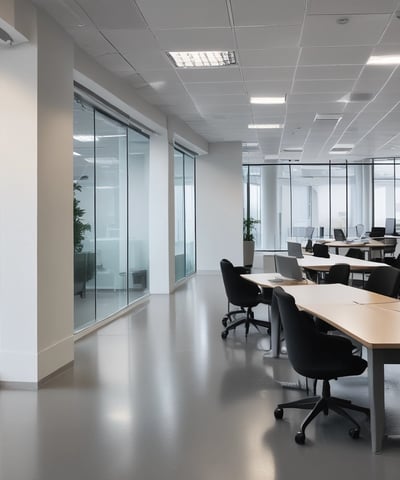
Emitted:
<point x="184" y="197"/>
<point x="289" y="198"/>
<point x="110" y="214"/>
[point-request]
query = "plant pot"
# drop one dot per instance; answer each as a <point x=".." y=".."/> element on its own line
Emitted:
<point x="248" y="253"/>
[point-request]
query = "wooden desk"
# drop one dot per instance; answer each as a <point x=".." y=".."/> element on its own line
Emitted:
<point x="377" y="328"/>
<point x="322" y="264"/>
<point x="328" y="293"/>
<point x="371" y="244"/>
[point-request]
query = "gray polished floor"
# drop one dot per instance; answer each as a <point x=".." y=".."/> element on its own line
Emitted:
<point x="158" y="395"/>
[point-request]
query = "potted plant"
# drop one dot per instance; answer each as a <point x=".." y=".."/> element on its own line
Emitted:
<point x="249" y="224"/>
<point x="83" y="261"/>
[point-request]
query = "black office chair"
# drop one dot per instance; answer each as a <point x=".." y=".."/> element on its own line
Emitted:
<point x="384" y="280"/>
<point x="243" y="294"/>
<point x="339" y="235"/>
<point x="338" y="273"/>
<point x="320" y="250"/>
<point x="377" y="232"/>
<point x="318" y="356"/>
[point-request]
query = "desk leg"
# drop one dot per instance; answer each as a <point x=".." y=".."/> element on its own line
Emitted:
<point x="275" y="320"/>
<point x="376" y="378"/>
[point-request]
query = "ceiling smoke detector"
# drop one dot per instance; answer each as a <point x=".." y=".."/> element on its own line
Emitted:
<point x="342" y="21"/>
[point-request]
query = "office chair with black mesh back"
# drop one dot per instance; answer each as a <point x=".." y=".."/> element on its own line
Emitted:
<point x="377" y="232"/>
<point x="356" y="253"/>
<point x="243" y="294"/>
<point x="384" y="280"/>
<point x="318" y="356"/>
<point x="338" y="273"/>
<point x="320" y="250"/>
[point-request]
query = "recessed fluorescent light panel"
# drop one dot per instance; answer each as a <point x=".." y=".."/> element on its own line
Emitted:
<point x="293" y="149"/>
<point x="341" y="149"/>
<point x="267" y="100"/>
<point x="384" y="60"/>
<point x="265" y="125"/>
<point x="202" y="59"/>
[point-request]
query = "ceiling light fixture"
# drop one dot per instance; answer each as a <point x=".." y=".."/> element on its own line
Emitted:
<point x="202" y="59"/>
<point x="292" y="149"/>
<point x="267" y="100"/>
<point x="384" y="60"/>
<point x="265" y="125"/>
<point x="341" y="148"/>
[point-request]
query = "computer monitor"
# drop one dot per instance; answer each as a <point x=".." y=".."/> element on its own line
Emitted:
<point x="294" y="249"/>
<point x="390" y="226"/>
<point x="288" y="267"/>
<point x="339" y="235"/>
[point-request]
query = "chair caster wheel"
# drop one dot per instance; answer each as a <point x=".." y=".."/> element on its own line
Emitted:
<point x="354" y="433"/>
<point x="225" y="321"/>
<point x="300" y="438"/>
<point x="224" y="334"/>
<point x="278" y="413"/>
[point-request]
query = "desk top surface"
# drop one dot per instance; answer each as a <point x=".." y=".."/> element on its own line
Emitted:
<point x="321" y="263"/>
<point x="336" y="294"/>
<point x="272" y="280"/>
<point x="370" y="243"/>
<point x="372" y="325"/>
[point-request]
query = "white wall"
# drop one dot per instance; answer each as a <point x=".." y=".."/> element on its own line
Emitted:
<point x="219" y="209"/>
<point x="55" y="197"/>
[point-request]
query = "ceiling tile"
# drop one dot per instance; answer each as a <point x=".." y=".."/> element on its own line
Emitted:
<point x="322" y="86"/>
<point x="147" y="59"/>
<point x="342" y="7"/>
<point x="320" y="30"/>
<point x="268" y="37"/>
<point x="268" y="12"/>
<point x="221" y="99"/>
<point x="115" y="63"/>
<point x="125" y="39"/>
<point x="328" y="72"/>
<point x="116" y="14"/>
<point x="334" y="55"/>
<point x="219" y="88"/>
<point x="392" y="33"/>
<point x="201" y="75"/>
<point x="268" y="89"/>
<point x="184" y="13"/>
<point x="255" y="74"/>
<point x="196" y="39"/>
<point x="91" y="41"/>
<point x="273" y="57"/>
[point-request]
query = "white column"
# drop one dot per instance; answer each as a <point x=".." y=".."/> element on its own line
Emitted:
<point x="160" y="218"/>
<point x="219" y="206"/>
<point x="269" y="210"/>
<point x="36" y="204"/>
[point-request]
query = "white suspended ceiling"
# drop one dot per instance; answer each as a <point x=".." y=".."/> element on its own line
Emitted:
<point x="313" y="51"/>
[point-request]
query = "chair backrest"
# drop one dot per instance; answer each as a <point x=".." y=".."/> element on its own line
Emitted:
<point x="294" y="249"/>
<point x="377" y="232"/>
<point x="339" y="273"/>
<point x="320" y="250"/>
<point x="384" y="280"/>
<point x="309" y="232"/>
<point x="390" y="226"/>
<point x="300" y="332"/>
<point x="269" y="263"/>
<point x="239" y="291"/>
<point x="339" y="235"/>
<point x="360" y="229"/>
<point x="355" y="253"/>
<point x="390" y="245"/>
